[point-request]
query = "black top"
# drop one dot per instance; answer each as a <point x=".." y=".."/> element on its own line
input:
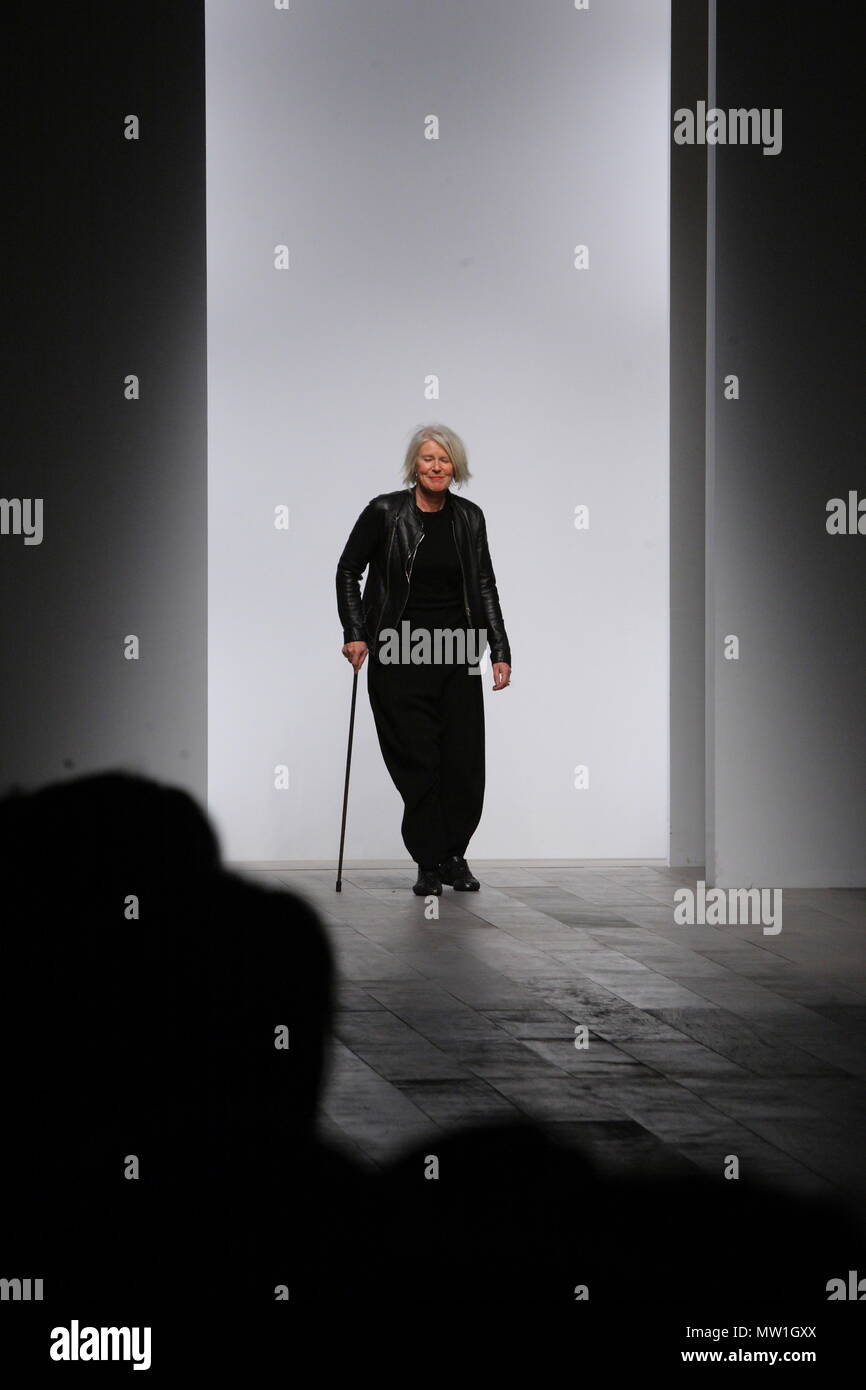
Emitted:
<point x="436" y="578"/>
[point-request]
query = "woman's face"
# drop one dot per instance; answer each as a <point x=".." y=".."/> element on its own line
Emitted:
<point x="434" y="467"/>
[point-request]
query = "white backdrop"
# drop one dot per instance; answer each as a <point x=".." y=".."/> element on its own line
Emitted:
<point x="419" y="266"/>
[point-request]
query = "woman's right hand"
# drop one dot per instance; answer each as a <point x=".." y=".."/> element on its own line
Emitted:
<point x="356" y="653"/>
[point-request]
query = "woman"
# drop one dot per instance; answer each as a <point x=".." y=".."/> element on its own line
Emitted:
<point x="429" y="712"/>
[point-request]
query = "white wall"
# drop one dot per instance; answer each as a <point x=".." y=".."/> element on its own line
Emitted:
<point x="409" y="258"/>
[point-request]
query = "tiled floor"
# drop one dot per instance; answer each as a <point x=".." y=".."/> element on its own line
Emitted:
<point x="703" y="1041"/>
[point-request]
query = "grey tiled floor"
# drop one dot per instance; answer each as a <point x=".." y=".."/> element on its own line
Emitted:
<point x="703" y="1041"/>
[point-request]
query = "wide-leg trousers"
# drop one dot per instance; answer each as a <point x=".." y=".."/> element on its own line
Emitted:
<point x="430" y="723"/>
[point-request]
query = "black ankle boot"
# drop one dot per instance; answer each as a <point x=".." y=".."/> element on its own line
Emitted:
<point x="428" y="881"/>
<point x="456" y="871"/>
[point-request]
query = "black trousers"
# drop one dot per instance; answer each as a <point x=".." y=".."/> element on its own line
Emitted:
<point x="430" y="723"/>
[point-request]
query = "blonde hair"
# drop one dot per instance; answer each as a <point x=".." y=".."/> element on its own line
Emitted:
<point x="449" y="441"/>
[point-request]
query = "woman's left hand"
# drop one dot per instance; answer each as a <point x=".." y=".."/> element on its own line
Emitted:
<point x="501" y="675"/>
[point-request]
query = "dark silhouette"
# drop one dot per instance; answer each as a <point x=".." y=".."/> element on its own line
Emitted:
<point x="153" y="1035"/>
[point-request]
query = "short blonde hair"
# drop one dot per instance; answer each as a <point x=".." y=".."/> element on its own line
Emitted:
<point x="448" y="440"/>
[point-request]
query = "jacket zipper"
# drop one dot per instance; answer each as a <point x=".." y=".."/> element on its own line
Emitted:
<point x="462" y="576"/>
<point x="387" y="579"/>
<point x="409" y="563"/>
<point x="411" y="560"/>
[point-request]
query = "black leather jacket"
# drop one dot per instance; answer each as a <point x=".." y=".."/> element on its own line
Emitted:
<point x="386" y="536"/>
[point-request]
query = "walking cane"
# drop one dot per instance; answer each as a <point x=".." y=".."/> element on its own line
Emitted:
<point x="346" y="788"/>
